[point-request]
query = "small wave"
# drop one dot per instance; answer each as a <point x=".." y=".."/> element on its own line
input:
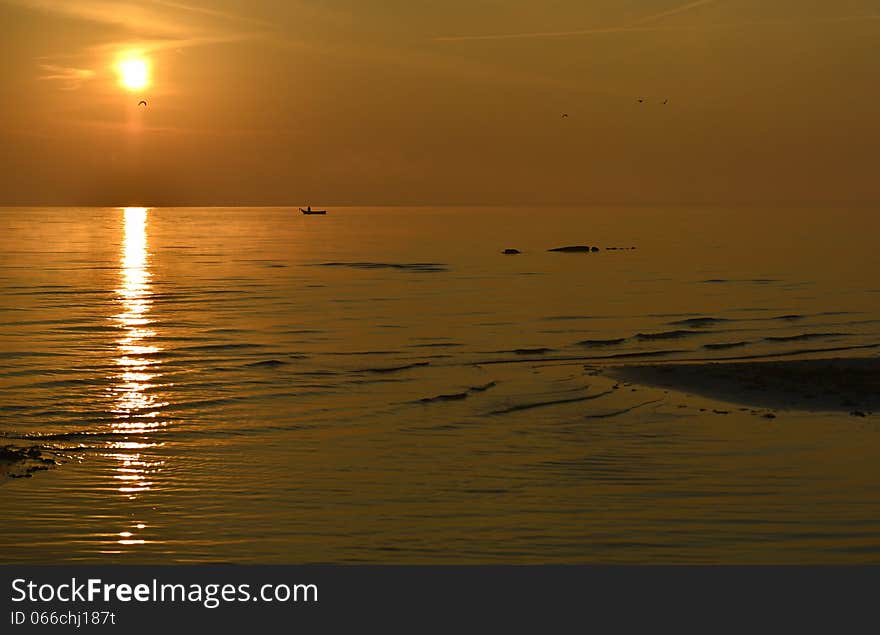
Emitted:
<point x="802" y="337"/>
<point x="347" y="353"/>
<point x="569" y="317"/>
<point x="62" y="383"/>
<point x="394" y="369"/>
<point x="577" y="358"/>
<point x="554" y="402"/>
<point x="640" y="354"/>
<point x="377" y="380"/>
<point x="667" y="335"/>
<point x="438" y="345"/>
<point x="219" y="347"/>
<point x="698" y="322"/>
<point x="318" y="373"/>
<point x="416" y="267"/>
<point x="724" y="345"/>
<point x="615" y="413"/>
<point x="23" y="354"/>
<point x="97" y="328"/>
<point x="71" y="436"/>
<point x="530" y="351"/>
<point x="599" y="343"/>
<point x="745" y="280"/>
<point x="458" y="396"/>
<point x="484" y="387"/>
<point x="43" y="322"/>
<point x="267" y="363"/>
<point x="789" y="318"/>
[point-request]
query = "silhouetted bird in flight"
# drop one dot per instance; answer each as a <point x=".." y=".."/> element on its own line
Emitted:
<point x="641" y="101"/>
<point x="142" y="103"/>
<point x="564" y="115"/>
<point x="665" y="101"/>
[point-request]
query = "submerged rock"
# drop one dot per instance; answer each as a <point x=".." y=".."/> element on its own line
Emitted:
<point x="572" y="249"/>
<point x="17" y="462"/>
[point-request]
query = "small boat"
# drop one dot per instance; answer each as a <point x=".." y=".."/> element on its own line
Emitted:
<point x="312" y="211"/>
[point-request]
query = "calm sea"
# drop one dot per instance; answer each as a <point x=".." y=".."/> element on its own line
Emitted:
<point x="383" y="385"/>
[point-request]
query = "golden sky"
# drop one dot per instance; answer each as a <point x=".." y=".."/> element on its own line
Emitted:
<point x="453" y="102"/>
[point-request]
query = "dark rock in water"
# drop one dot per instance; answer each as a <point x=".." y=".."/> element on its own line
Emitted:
<point x="18" y="462"/>
<point x="572" y="249"/>
<point x="857" y="413"/>
<point x="769" y="415"/>
<point x="11" y="453"/>
<point x="594" y="249"/>
<point x="511" y="252"/>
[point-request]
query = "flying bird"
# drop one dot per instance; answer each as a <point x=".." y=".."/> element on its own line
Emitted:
<point x="641" y="101"/>
<point x="665" y="101"/>
<point x="142" y="103"/>
<point x="564" y="115"/>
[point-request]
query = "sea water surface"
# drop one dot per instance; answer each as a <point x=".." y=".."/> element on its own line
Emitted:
<point x="383" y="385"/>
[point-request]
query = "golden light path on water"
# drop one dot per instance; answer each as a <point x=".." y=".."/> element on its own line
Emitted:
<point x="137" y="410"/>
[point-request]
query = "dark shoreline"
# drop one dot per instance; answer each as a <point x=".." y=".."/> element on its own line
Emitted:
<point x="849" y="385"/>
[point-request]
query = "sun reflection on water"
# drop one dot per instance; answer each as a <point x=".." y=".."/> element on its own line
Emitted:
<point x="137" y="407"/>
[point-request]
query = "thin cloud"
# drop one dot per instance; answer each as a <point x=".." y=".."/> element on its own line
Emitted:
<point x="552" y="34"/>
<point x="690" y="6"/>
<point x="70" y="78"/>
<point x="156" y="18"/>
<point x="633" y="27"/>
<point x="644" y="25"/>
<point x="133" y="17"/>
<point x="153" y="26"/>
<point x="215" y="13"/>
<point x="158" y="45"/>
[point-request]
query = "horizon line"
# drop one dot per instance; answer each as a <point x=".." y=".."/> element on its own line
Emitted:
<point x="612" y="203"/>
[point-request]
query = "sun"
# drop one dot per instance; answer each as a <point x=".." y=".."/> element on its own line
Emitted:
<point x="134" y="73"/>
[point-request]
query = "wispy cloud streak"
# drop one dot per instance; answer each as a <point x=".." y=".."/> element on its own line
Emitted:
<point x="70" y="78"/>
<point x="646" y="25"/>
<point x="684" y="8"/>
<point x="633" y="27"/>
<point x="156" y="17"/>
<point x="151" y="25"/>
<point x="215" y="13"/>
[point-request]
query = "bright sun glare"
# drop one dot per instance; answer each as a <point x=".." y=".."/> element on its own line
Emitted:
<point x="134" y="73"/>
